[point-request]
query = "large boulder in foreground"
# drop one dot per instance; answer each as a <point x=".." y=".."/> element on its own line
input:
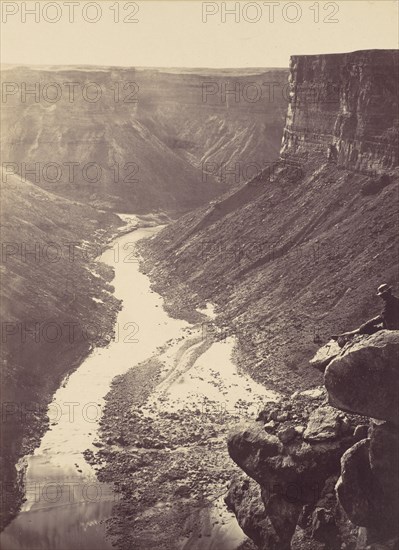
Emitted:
<point x="365" y="378"/>
<point x="297" y="469"/>
<point x="292" y="454"/>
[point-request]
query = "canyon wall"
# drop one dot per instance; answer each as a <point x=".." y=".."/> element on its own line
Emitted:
<point x="290" y="258"/>
<point x="318" y="477"/>
<point x="138" y="140"/>
<point x="295" y="254"/>
<point x="346" y="107"/>
<point x="56" y="305"/>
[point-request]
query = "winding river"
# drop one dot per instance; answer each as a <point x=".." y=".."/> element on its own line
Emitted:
<point x="65" y="505"/>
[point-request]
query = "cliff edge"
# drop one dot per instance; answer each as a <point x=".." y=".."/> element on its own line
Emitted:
<point x="345" y="105"/>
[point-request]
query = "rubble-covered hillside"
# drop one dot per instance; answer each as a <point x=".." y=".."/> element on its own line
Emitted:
<point x="295" y="254"/>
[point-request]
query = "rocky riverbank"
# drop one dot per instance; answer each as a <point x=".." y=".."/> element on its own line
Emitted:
<point x="163" y="445"/>
<point x="49" y="333"/>
<point x="25" y="396"/>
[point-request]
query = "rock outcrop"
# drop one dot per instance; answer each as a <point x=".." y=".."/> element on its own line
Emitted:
<point x="365" y="378"/>
<point x="293" y="452"/>
<point x="342" y="105"/>
<point x="368" y="488"/>
<point x="325" y="477"/>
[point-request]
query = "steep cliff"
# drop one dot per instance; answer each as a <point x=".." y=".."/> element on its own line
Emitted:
<point x="290" y="258"/>
<point x="364" y="379"/>
<point x="295" y="254"/>
<point x="315" y="478"/>
<point x="347" y="103"/>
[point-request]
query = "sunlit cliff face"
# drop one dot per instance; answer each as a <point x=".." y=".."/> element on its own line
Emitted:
<point x="348" y="101"/>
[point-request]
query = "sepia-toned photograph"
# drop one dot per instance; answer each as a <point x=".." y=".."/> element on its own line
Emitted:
<point x="199" y="275"/>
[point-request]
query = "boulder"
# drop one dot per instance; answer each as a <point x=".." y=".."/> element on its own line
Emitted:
<point x="269" y="525"/>
<point x="324" y="423"/>
<point x="244" y="499"/>
<point x="354" y="487"/>
<point x="325" y="355"/>
<point x="384" y="456"/>
<point x="296" y="470"/>
<point x="368" y="489"/>
<point x="250" y="446"/>
<point x="364" y="379"/>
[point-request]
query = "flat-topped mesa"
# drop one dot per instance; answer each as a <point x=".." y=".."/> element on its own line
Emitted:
<point x="345" y="107"/>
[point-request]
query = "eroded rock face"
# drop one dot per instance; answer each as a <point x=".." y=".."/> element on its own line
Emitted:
<point x="368" y="488"/>
<point x="344" y="105"/>
<point x="299" y="466"/>
<point x="326" y="478"/>
<point x="365" y="378"/>
<point x="291" y="452"/>
<point x="354" y="486"/>
<point x="384" y="465"/>
<point x="244" y="499"/>
<point x="342" y="113"/>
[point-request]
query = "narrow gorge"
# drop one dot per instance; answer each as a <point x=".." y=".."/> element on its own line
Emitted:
<point x="232" y="420"/>
<point x="159" y="140"/>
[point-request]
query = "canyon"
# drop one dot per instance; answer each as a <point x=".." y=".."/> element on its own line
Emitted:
<point x="290" y="258"/>
<point x="158" y="143"/>
<point x="285" y="228"/>
<point x="295" y="254"/>
<point x="139" y="140"/>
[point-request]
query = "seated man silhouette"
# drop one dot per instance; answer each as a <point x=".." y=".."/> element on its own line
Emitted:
<point x="388" y="318"/>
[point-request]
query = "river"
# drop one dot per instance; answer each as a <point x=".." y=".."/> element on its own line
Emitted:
<point x="65" y="505"/>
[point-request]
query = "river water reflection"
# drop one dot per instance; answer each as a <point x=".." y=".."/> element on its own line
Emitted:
<point x="65" y="505"/>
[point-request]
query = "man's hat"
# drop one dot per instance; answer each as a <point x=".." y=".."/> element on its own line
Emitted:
<point x="383" y="288"/>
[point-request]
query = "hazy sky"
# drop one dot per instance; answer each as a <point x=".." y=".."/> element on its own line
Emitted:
<point x="191" y="33"/>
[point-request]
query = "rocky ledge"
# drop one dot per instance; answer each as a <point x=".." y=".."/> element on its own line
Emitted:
<point x="322" y="478"/>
